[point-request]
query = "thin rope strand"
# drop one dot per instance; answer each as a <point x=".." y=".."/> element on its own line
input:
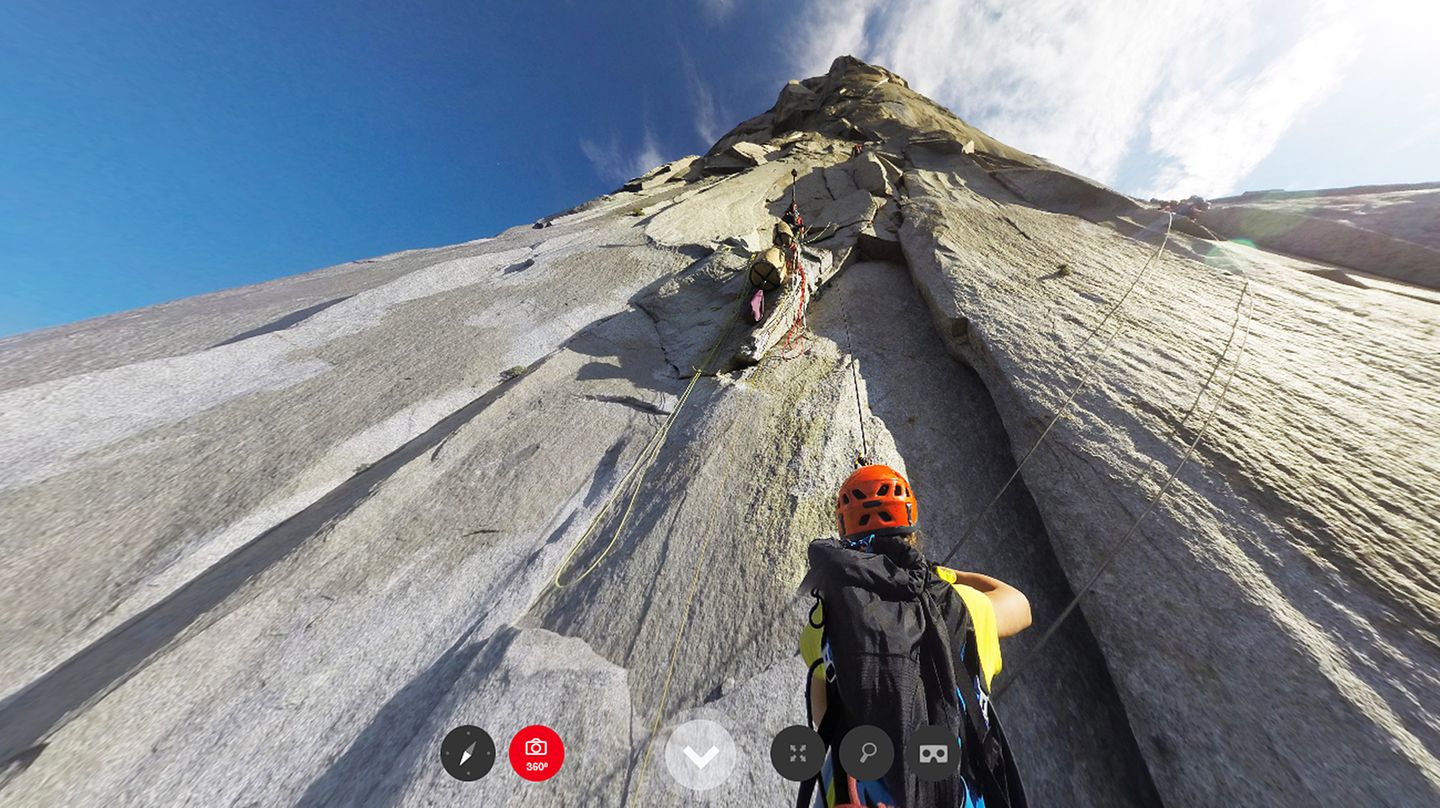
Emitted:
<point x="864" y="455"/>
<point x="1074" y="391"/>
<point x="635" y="478"/>
<point x="689" y="604"/>
<point x="1114" y="551"/>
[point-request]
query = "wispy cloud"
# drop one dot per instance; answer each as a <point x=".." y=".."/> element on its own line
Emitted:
<point x="616" y="163"/>
<point x="1180" y="98"/>
<point x="831" y="32"/>
<point x="707" y="115"/>
<point x="1214" y="128"/>
<point x="718" y="10"/>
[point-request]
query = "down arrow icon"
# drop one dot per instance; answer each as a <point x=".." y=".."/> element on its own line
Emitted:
<point x="701" y="761"/>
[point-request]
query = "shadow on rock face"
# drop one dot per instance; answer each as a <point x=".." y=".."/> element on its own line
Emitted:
<point x="292" y="319"/>
<point x="646" y="343"/>
<point x="48" y="702"/>
<point x="619" y="346"/>
<point x="385" y="744"/>
<point x="695" y="314"/>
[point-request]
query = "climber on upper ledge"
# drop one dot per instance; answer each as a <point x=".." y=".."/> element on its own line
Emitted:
<point x="770" y="268"/>
<point x="882" y="643"/>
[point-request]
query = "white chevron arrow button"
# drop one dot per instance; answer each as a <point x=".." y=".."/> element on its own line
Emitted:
<point x="700" y="755"/>
<point x="701" y="761"/>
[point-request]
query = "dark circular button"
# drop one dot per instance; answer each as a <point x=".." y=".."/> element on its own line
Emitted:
<point x="797" y="753"/>
<point x="867" y="753"/>
<point x="932" y="753"/>
<point x="467" y="753"/>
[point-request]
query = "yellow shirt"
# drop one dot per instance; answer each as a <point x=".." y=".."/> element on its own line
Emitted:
<point x="982" y="615"/>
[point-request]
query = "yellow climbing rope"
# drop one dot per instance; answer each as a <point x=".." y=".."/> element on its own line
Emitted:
<point x="699" y="569"/>
<point x="635" y="478"/>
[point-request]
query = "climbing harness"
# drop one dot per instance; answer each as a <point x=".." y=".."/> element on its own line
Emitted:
<point x="1114" y="551"/>
<point x="1085" y="378"/>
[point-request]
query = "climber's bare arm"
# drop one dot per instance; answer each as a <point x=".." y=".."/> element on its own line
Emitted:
<point x="817" y="700"/>
<point x="1012" y="608"/>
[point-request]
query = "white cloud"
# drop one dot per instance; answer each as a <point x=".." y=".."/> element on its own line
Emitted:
<point x="707" y="115"/>
<point x="1212" y="134"/>
<point x="614" y="163"/>
<point x="830" y="32"/>
<point x="1195" y="94"/>
<point x="717" y="10"/>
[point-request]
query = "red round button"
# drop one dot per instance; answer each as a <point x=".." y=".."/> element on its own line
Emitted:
<point x="536" y="752"/>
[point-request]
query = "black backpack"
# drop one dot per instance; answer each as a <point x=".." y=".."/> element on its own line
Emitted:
<point x="892" y="626"/>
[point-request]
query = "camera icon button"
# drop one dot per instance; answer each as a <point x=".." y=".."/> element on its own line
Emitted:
<point x="536" y="753"/>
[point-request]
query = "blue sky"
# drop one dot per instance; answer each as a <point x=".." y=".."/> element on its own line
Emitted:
<point x="152" y="153"/>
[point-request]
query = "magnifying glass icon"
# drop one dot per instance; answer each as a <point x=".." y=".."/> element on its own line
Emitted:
<point x="868" y="751"/>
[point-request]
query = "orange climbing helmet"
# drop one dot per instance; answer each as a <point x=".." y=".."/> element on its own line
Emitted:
<point x="876" y="499"/>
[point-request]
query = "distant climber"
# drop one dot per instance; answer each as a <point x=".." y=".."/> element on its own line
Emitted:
<point x="793" y="218"/>
<point x="792" y="215"/>
<point x="1188" y="207"/>
<point x="783" y="235"/>
<point x="772" y="267"/>
<point x="941" y="631"/>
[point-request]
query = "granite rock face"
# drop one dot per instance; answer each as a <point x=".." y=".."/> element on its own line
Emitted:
<point x="1364" y="235"/>
<point x="267" y="546"/>
<point x="1269" y="600"/>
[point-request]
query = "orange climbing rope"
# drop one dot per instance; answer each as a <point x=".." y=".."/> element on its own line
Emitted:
<point x="795" y="336"/>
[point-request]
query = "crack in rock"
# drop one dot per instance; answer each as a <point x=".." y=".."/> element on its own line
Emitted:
<point x="628" y="401"/>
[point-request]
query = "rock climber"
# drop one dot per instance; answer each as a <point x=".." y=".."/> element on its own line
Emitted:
<point x="782" y="236"/>
<point x="771" y="267"/>
<point x="896" y="642"/>
<point x="792" y="217"/>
